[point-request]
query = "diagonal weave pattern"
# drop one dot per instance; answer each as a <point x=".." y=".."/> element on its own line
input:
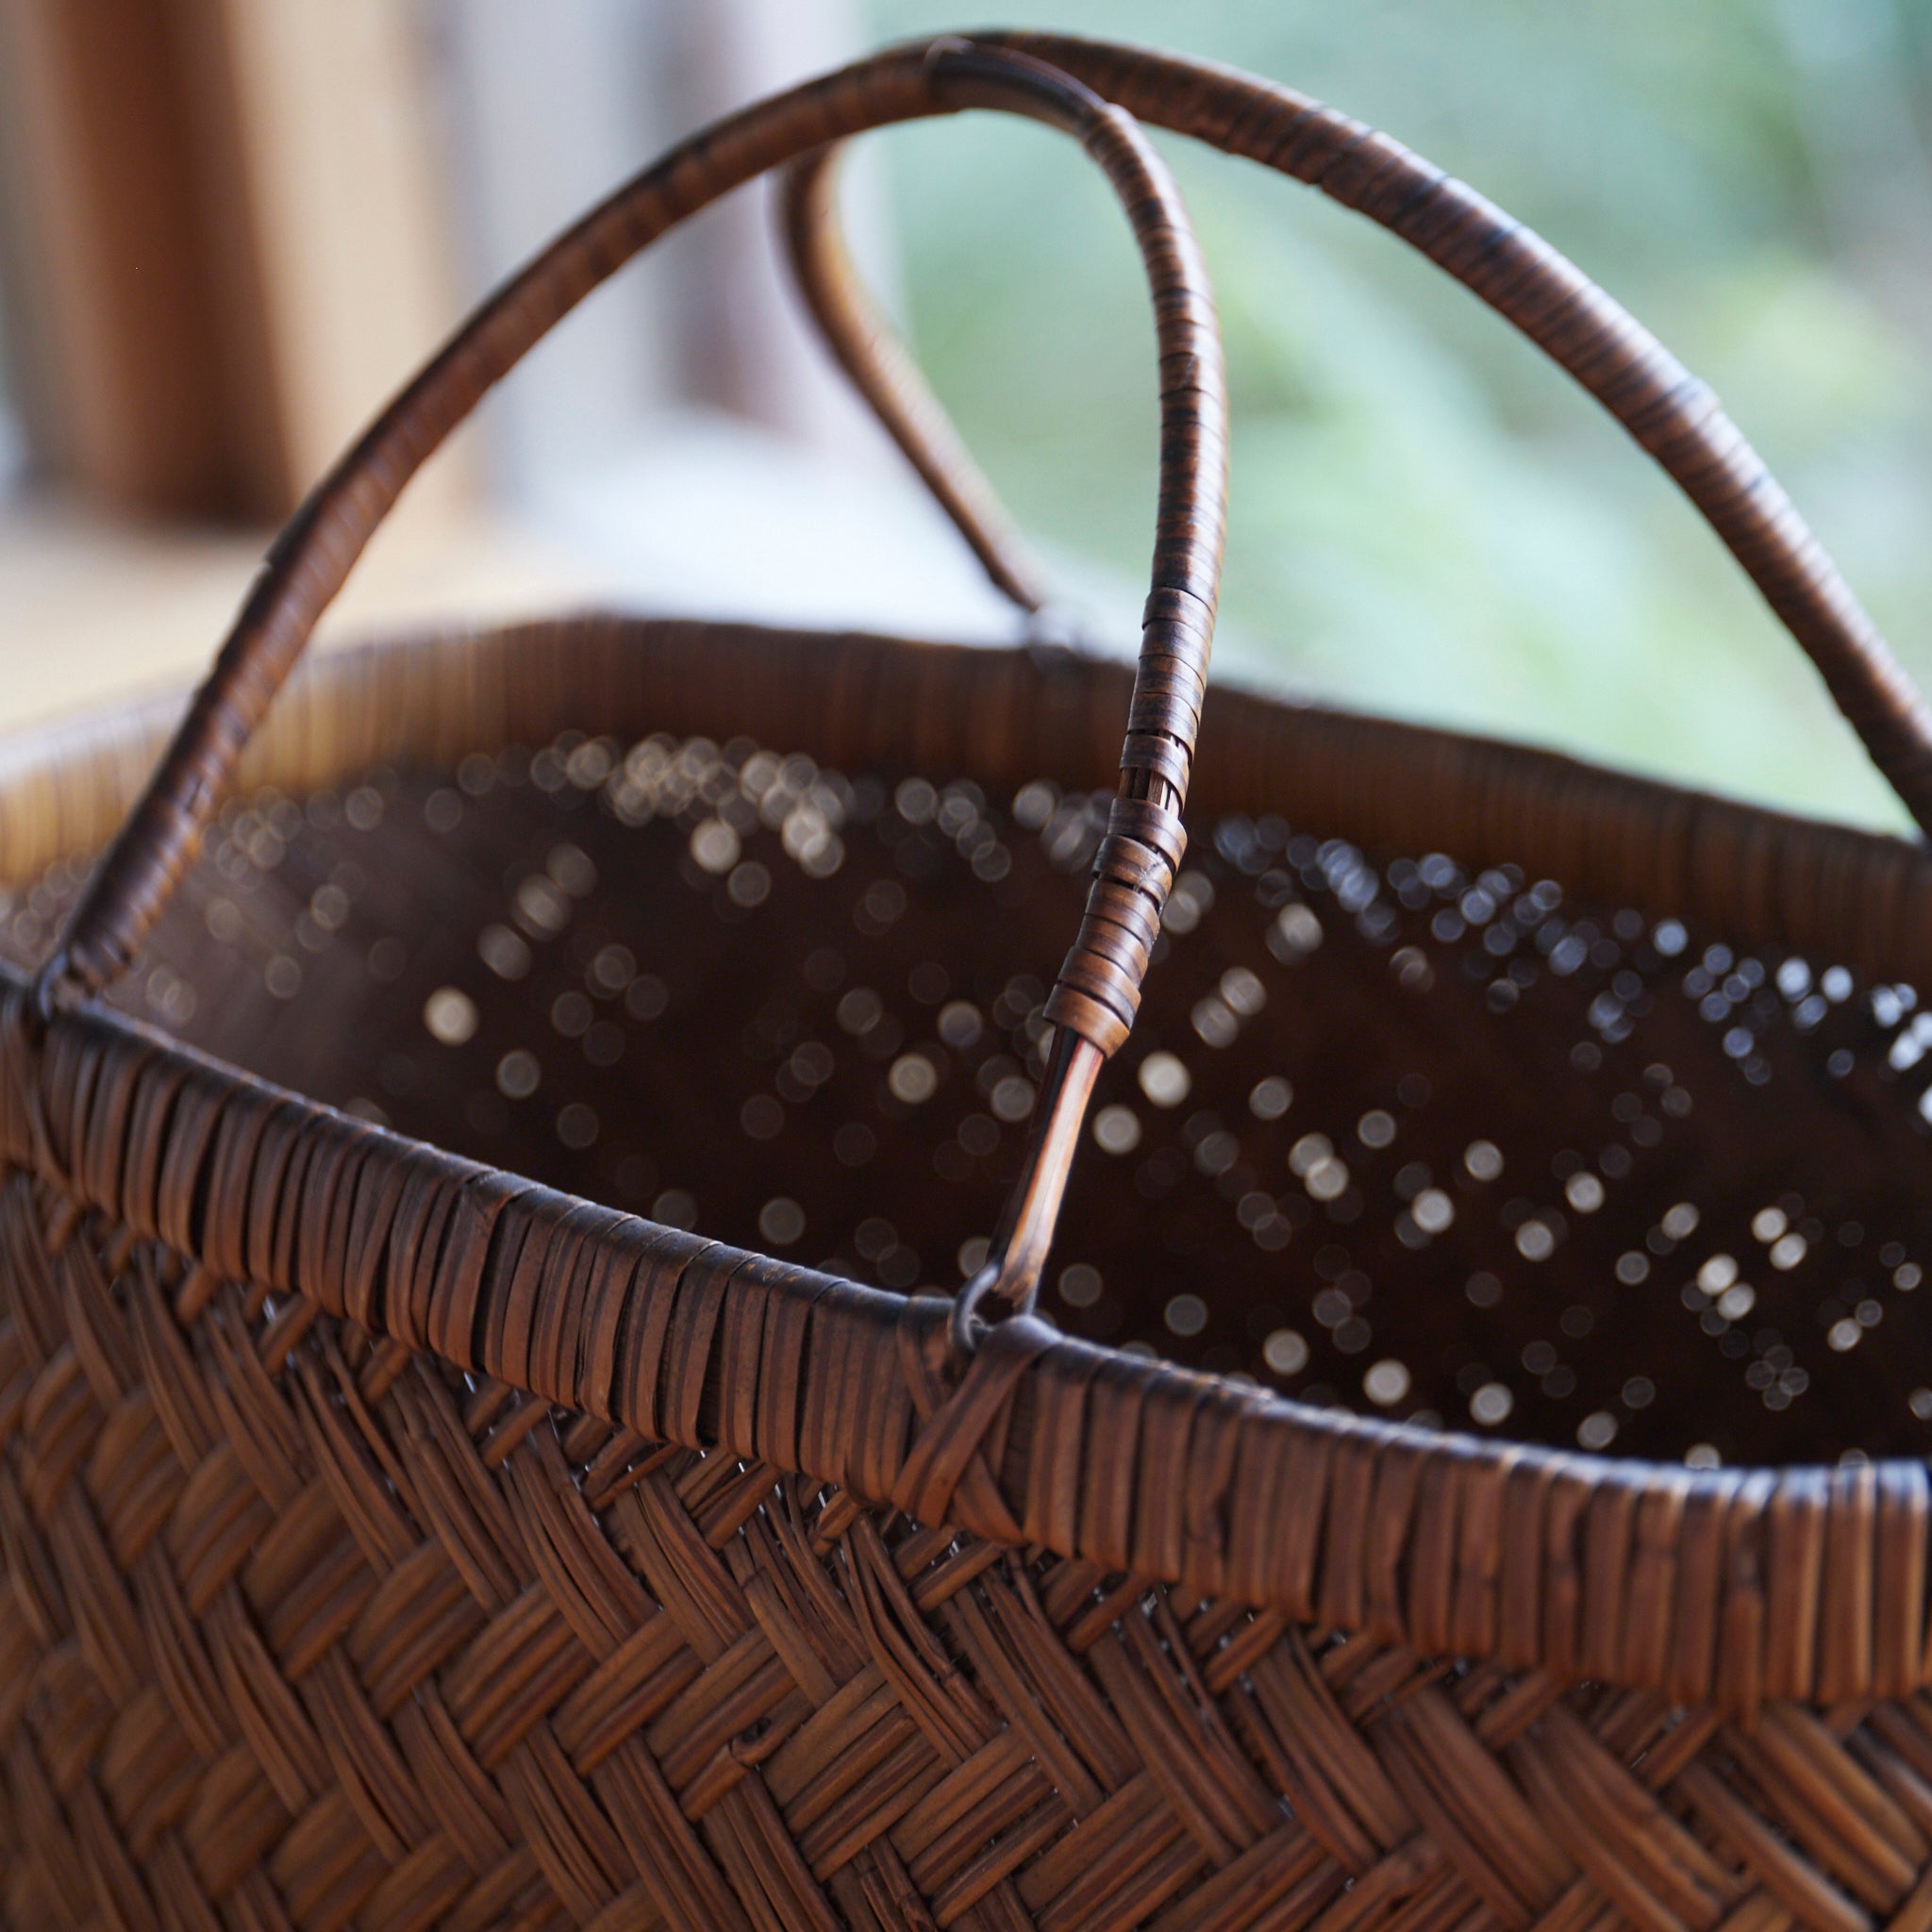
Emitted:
<point x="303" y="1629"/>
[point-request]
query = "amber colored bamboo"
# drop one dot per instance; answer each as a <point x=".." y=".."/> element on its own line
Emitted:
<point x="318" y="1581"/>
<point x="388" y="1541"/>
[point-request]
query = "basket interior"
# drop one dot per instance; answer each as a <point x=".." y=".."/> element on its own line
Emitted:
<point x="1439" y="1147"/>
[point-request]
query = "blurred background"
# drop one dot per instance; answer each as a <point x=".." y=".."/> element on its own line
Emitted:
<point x="229" y="228"/>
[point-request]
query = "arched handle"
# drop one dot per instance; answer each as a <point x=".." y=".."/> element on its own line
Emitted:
<point x="1672" y="415"/>
<point x="1094" y="1002"/>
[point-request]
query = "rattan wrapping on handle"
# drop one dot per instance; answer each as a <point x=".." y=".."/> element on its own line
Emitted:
<point x="1097" y="994"/>
<point x="314" y="553"/>
<point x="1672" y="415"/>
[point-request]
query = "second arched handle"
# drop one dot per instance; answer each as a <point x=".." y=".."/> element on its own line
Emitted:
<point x="1671" y="414"/>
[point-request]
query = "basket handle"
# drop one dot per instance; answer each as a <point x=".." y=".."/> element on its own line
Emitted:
<point x="1672" y="415"/>
<point x="1094" y="1001"/>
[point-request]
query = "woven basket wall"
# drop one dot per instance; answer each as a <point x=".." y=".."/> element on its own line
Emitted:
<point x="482" y="1437"/>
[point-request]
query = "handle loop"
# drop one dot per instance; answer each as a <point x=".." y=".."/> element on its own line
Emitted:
<point x="1672" y="415"/>
<point x="1094" y="1002"/>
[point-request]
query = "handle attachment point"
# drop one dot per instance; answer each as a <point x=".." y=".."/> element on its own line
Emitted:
<point x="1012" y="1270"/>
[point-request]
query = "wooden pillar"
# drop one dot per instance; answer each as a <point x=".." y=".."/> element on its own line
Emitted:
<point x="227" y="240"/>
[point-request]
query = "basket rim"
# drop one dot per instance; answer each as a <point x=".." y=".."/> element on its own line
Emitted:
<point x="1452" y="1543"/>
<point x="1760" y="873"/>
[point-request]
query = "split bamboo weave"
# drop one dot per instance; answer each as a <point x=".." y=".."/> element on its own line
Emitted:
<point x="396" y="1535"/>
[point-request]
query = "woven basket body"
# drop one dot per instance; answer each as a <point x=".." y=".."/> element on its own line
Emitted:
<point x="479" y="1445"/>
<point x="301" y="1621"/>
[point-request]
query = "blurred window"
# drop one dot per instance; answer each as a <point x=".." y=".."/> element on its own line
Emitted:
<point x="544" y="112"/>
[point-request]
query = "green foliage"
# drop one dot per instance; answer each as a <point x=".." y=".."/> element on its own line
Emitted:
<point x="1428" y="519"/>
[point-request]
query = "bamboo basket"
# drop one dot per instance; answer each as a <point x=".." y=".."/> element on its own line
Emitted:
<point x="1471" y="1473"/>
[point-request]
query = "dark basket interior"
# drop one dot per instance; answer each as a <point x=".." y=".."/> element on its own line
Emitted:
<point x="1432" y="1147"/>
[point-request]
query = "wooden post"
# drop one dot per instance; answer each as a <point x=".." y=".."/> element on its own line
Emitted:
<point x="111" y="326"/>
<point x="229" y="239"/>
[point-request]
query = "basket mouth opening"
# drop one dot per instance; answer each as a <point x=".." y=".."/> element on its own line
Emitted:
<point x="1360" y="1152"/>
<point x="391" y="1148"/>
